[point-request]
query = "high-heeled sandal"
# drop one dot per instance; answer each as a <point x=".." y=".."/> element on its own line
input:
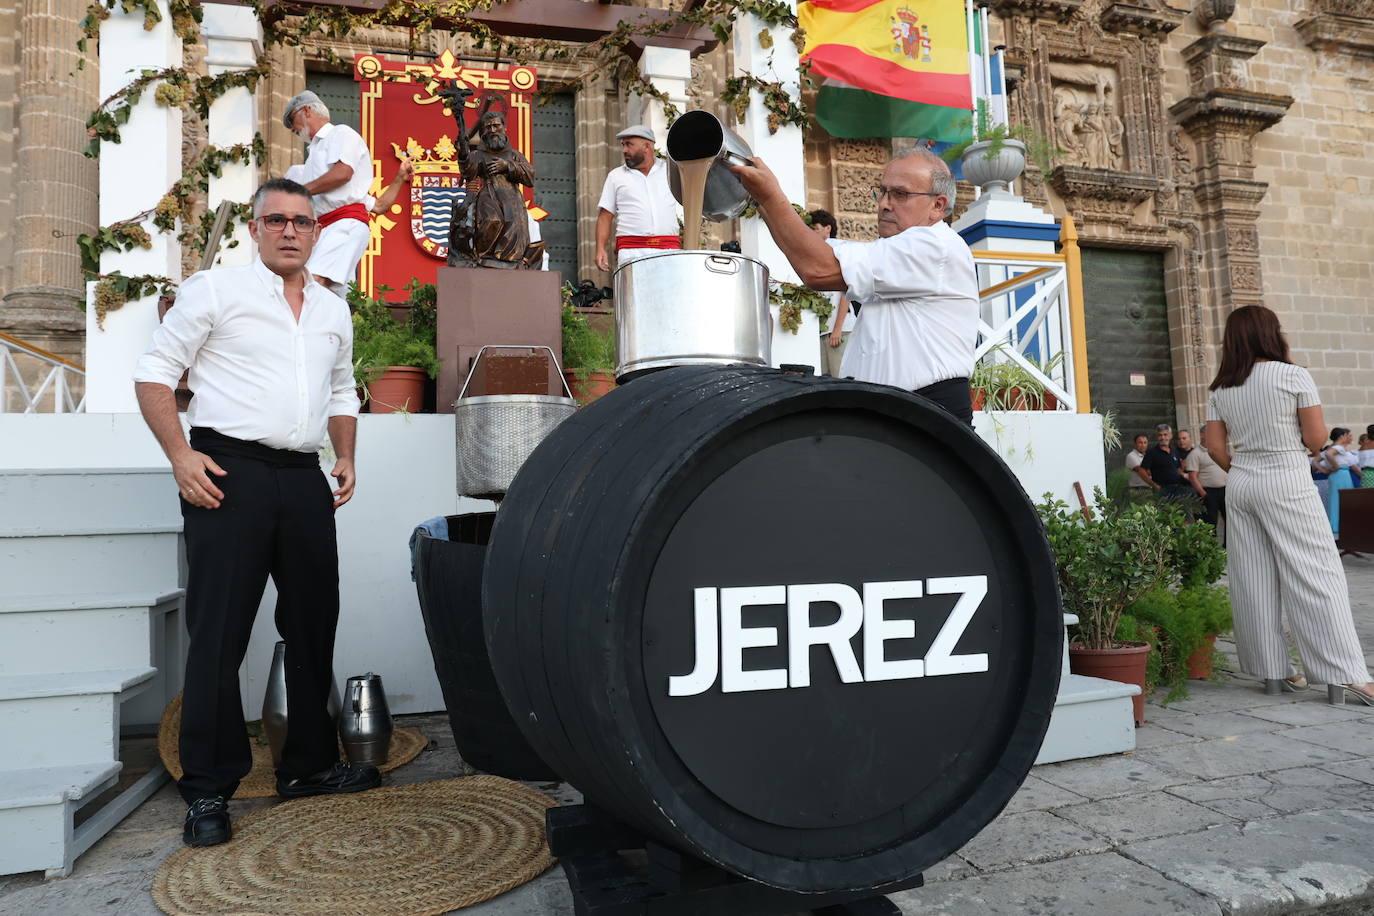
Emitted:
<point x="1273" y="686"/>
<point x="1336" y="694"/>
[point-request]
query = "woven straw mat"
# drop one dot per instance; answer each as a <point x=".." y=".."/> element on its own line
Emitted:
<point x="261" y="781"/>
<point x="415" y="850"/>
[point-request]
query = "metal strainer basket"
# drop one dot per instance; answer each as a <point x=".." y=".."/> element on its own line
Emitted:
<point x="495" y="433"/>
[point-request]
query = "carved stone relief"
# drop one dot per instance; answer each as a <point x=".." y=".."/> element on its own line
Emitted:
<point x="1087" y="126"/>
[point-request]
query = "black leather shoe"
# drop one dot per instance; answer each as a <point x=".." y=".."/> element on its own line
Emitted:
<point x="339" y="779"/>
<point x="207" y="822"/>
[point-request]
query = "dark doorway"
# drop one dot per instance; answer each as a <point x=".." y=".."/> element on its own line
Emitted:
<point x="555" y="180"/>
<point x="339" y="92"/>
<point x="1130" y="367"/>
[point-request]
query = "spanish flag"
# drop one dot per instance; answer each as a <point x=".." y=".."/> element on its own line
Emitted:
<point x="890" y="68"/>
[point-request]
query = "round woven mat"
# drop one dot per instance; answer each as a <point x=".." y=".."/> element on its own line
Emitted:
<point x="261" y="781"/>
<point x="414" y="850"/>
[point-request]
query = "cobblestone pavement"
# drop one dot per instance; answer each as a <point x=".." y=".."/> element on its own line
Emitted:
<point x="1233" y="803"/>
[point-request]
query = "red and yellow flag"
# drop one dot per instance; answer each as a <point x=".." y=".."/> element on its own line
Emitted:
<point x="890" y="68"/>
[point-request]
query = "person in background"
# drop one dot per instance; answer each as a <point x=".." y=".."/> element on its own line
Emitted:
<point x="1281" y="562"/>
<point x="1340" y="463"/>
<point x="1160" y="467"/>
<point x="1208" y="481"/>
<point x="637" y="199"/>
<point x="917" y="280"/>
<point x="1366" y="456"/>
<point x="1185" y="446"/>
<point x="833" y="339"/>
<point x="270" y="356"/>
<point x="338" y="177"/>
<point x="1137" y="487"/>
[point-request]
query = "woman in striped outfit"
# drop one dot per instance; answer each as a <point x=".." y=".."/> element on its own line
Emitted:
<point x="1281" y="562"/>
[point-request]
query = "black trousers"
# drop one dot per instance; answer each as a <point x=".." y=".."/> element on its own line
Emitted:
<point x="276" y="519"/>
<point x="1213" y="504"/>
<point x="953" y="395"/>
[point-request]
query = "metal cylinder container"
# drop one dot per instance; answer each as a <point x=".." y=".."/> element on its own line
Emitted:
<point x="365" y="726"/>
<point x="699" y="135"/>
<point x="685" y="308"/>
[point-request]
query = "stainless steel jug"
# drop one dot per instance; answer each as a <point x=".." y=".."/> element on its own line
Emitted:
<point x="365" y="725"/>
<point x="274" y="703"/>
<point x="698" y="134"/>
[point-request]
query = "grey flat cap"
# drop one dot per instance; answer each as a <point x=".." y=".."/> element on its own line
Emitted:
<point x="297" y="103"/>
<point x="636" y="130"/>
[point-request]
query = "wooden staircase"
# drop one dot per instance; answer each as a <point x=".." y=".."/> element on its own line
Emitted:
<point x="91" y="640"/>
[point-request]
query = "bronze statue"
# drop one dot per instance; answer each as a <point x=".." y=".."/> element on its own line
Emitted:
<point x="490" y="228"/>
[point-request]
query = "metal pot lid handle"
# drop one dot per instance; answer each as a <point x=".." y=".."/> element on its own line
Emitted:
<point x="481" y="351"/>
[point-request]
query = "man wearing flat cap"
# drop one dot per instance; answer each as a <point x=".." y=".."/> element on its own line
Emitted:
<point x="338" y="175"/>
<point x="636" y="197"/>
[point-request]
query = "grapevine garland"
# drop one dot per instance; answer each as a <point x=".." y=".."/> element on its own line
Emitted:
<point x="291" y="24"/>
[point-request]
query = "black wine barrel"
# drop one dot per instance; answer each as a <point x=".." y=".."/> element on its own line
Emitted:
<point x="803" y="628"/>
<point x="448" y="582"/>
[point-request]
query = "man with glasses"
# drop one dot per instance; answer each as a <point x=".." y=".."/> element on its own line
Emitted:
<point x="270" y="352"/>
<point x="338" y="175"/>
<point x="919" y="322"/>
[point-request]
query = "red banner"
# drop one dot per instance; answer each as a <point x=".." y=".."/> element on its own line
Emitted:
<point x="404" y="117"/>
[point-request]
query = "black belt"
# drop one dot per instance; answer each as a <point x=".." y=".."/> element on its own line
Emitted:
<point x="204" y="439"/>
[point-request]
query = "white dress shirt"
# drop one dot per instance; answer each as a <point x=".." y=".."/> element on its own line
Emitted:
<point x="258" y="374"/>
<point x="339" y="143"/>
<point x="919" y="322"/>
<point x="642" y="204"/>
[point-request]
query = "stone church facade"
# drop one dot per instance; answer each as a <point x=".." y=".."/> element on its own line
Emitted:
<point x="1226" y="142"/>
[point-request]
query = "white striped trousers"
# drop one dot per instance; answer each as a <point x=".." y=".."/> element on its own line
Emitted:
<point x="1283" y="566"/>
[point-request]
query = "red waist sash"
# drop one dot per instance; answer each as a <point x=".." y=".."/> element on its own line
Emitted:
<point x="667" y="242"/>
<point x="347" y="211"/>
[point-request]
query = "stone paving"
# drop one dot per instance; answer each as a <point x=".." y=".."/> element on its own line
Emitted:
<point x="1233" y="803"/>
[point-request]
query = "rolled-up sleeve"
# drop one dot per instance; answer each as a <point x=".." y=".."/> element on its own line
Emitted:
<point x="343" y="398"/>
<point x="181" y="334"/>
<point x="909" y="264"/>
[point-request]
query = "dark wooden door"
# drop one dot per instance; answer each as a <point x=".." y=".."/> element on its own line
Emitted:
<point x="555" y="180"/>
<point x="339" y="92"/>
<point x="1130" y="367"/>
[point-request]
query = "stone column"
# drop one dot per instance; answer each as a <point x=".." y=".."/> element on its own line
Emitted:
<point x="1223" y="116"/>
<point x="668" y="70"/>
<point x="785" y="155"/>
<point x="134" y="175"/>
<point x="55" y="186"/>
<point x="233" y="40"/>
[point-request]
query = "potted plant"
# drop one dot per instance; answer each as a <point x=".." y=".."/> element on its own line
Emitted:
<point x="391" y="358"/>
<point x="588" y="355"/>
<point x="996" y="154"/>
<point x="1107" y="560"/>
<point x="1007" y="385"/>
<point x="1189" y="612"/>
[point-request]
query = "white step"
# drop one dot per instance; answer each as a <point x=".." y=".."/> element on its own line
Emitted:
<point x="53" y="720"/>
<point x="36" y="808"/>
<point x="1092" y="718"/>
<point x="38" y="501"/>
<point x="80" y="564"/>
<point x="122" y="634"/>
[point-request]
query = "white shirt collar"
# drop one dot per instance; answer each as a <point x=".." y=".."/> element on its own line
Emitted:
<point x="322" y="132"/>
<point x="658" y="163"/>
<point x="274" y="279"/>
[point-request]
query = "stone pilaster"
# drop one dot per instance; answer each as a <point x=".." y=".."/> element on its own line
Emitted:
<point x="55" y="186"/>
<point x="9" y="111"/>
<point x="1223" y="117"/>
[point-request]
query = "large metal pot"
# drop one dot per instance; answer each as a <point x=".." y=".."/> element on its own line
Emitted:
<point x="685" y="308"/>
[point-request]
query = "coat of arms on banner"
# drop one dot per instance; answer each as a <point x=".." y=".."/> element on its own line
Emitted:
<point x="402" y="116"/>
<point x="434" y="191"/>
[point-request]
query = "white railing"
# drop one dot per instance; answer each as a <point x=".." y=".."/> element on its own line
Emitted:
<point x="1029" y="318"/>
<point x="31" y="391"/>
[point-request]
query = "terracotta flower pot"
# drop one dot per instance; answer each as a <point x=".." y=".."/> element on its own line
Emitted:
<point x="1126" y="665"/>
<point x="1200" y="662"/>
<point x="398" y="388"/>
<point x="977" y="396"/>
<point x="588" y="386"/>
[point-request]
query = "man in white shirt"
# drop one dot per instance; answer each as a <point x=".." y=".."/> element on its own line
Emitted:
<point x="1133" y="459"/>
<point x="270" y="353"/>
<point x="338" y="175"/>
<point x="917" y="283"/>
<point x="637" y="199"/>
<point x="835" y="337"/>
